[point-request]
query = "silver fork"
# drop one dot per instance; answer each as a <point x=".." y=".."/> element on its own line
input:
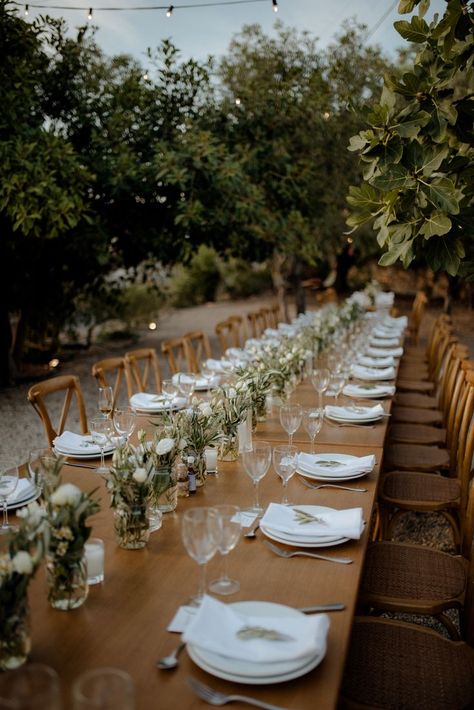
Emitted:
<point x="336" y="424"/>
<point x="331" y="485"/>
<point x="302" y="553"/>
<point x="214" y="697"/>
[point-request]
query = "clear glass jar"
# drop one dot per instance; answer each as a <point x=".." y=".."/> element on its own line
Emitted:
<point x="132" y="528"/>
<point x="15" y="638"/>
<point x="67" y="582"/>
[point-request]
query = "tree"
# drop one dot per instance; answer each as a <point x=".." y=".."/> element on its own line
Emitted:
<point x="417" y="151"/>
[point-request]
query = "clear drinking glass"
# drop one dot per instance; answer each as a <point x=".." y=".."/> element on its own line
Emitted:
<point x="8" y="484"/>
<point x="200" y="532"/>
<point x="102" y="431"/>
<point x="312" y="422"/>
<point x="106" y="401"/>
<point x="170" y="390"/>
<point x="256" y="464"/>
<point x="33" y="687"/>
<point x="103" y="689"/>
<point x="40" y="463"/>
<point x="124" y="422"/>
<point x="230" y="529"/>
<point x="285" y="460"/>
<point x="320" y="382"/>
<point x="336" y="384"/>
<point x="290" y="419"/>
<point x="186" y="384"/>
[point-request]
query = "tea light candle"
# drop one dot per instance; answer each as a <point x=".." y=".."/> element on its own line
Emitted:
<point x="211" y="460"/>
<point x="94" y="554"/>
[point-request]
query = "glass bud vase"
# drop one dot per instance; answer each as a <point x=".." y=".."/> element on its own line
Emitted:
<point x="67" y="582"/>
<point x="15" y="640"/>
<point x="200" y="468"/>
<point x="131" y="526"/>
<point x="165" y="497"/>
<point x="229" y="448"/>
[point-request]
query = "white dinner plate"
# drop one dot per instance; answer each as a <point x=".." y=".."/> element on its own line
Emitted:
<point x="157" y="407"/>
<point x="20" y="503"/>
<point x="278" y="536"/>
<point x="367" y="391"/>
<point x="355" y="420"/>
<point x="251" y="672"/>
<point x="329" y="472"/>
<point x="69" y="455"/>
<point x="329" y="478"/>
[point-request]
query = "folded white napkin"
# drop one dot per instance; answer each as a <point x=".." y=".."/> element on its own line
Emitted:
<point x="143" y="400"/>
<point x="354" y="413"/>
<point x="366" y="373"/>
<point x="315" y="463"/>
<point x="215" y="626"/>
<point x="384" y="352"/>
<point x="70" y="443"/>
<point x="376" y="361"/>
<point x="369" y="390"/>
<point x="399" y="322"/>
<point x="344" y="523"/>
<point x="386" y="333"/>
<point x="384" y="342"/>
<point x="24" y="489"/>
<point x="219" y="365"/>
<point x="237" y="354"/>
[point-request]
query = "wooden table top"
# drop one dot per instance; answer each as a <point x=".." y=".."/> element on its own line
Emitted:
<point x="123" y="622"/>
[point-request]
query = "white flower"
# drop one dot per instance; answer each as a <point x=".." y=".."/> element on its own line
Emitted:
<point x="205" y="409"/>
<point x="22" y="563"/>
<point x="5" y="565"/>
<point x="182" y="444"/>
<point x="140" y="475"/>
<point x="33" y="512"/>
<point x="164" y="446"/>
<point x="231" y="393"/>
<point x="67" y="494"/>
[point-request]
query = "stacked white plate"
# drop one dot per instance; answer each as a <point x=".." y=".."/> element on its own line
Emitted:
<point x="369" y="391"/>
<point x="83" y="449"/>
<point x="334" y="467"/>
<point x="372" y="373"/>
<point x="358" y="415"/>
<point x="202" y="383"/>
<point x="301" y="540"/>
<point x="155" y="403"/>
<point x="24" y="493"/>
<point x="251" y="672"/>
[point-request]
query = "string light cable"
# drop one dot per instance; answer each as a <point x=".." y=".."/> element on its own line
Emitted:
<point x="168" y="9"/>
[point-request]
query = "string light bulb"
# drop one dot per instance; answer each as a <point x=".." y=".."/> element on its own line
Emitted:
<point x="89" y="14"/>
<point x="145" y="76"/>
<point x="275" y="5"/>
<point x="27" y="10"/>
<point x="237" y="101"/>
<point x="169" y="11"/>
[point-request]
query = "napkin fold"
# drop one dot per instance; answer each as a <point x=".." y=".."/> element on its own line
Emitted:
<point x="219" y="365"/>
<point x="367" y="373"/>
<point x="384" y="352"/>
<point x="354" y="413"/>
<point x="384" y="342"/>
<point x="24" y="489"/>
<point x="367" y="361"/>
<point x="71" y="443"/>
<point x="358" y="464"/>
<point x="343" y="523"/>
<point x="144" y="400"/>
<point x="215" y="626"/>
<point x="386" y="333"/>
<point x="369" y="390"/>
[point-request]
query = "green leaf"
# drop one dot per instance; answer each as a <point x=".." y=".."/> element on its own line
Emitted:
<point x="442" y="193"/>
<point x="399" y="251"/>
<point x="411" y="128"/>
<point x="395" y="178"/>
<point x="415" y="31"/>
<point x="423" y="8"/>
<point x="435" y="224"/>
<point x="391" y="152"/>
<point x="363" y="197"/>
<point x="405" y="6"/>
<point x="357" y="143"/>
<point x="441" y="254"/>
<point x="432" y="159"/>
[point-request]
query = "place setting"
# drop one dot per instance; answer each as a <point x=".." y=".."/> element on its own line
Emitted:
<point x="357" y="415"/>
<point x="147" y="403"/>
<point x="365" y="390"/>
<point x="334" y="467"/>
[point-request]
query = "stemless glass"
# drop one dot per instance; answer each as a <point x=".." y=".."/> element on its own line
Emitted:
<point x="186" y="384"/>
<point x="102" y="431"/>
<point x="320" y="382"/>
<point x="285" y="460"/>
<point x="256" y="463"/>
<point x="124" y="422"/>
<point x="106" y="401"/>
<point x="40" y="463"/>
<point x="103" y="689"/>
<point x="8" y="484"/>
<point x="200" y="532"/>
<point x="312" y="422"/>
<point x="290" y="419"/>
<point x="230" y="529"/>
<point x="33" y="687"/>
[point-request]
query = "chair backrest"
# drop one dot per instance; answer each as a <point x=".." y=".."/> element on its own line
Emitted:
<point x="197" y="349"/>
<point x="462" y="413"/>
<point x="265" y="318"/>
<point x="225" y="333"/>
<point x="113" y="372"/>
<point x="70" y="387"/>
<point x="256" y="323"/>
<point x="239" y="334"/>
<point x="144" y="369"/>
<point x="275" y="315"/>
<point x="174" y="351"/>
<point x="416" y="315"/>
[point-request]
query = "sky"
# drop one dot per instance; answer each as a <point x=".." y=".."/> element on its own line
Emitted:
<point x="198" y="32"/>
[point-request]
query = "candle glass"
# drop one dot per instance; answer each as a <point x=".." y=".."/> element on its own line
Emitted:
<point x="35" y="686"/>
<point x="210" y="454"/>
<point x="94" y="554"/>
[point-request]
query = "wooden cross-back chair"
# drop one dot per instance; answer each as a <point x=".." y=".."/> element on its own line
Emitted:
<point x="256" y="324"/>
<point x="174" y="351"/>
<point x="144" y="370"/>
<point x="416" y="315"/>
<point x="238" y="330"/>
<point x="197" y="349"/>
<point x="113" y="372"/>
<point x="70" y="387"/>
<point x="275" y="315"/>
<point x="225" y="333"/>
<point x="265" y="318"/>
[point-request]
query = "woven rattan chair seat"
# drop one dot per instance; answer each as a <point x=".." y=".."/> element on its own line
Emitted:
<point x="413" y="415"/>
<point x="413" y="572"/>
<point x="415" y="386"/>
<point x="406" y="667"/>
<point x="423" y="489"/>
<point x="413" y="371"/>
<point x="414" y="457"/>
<point x="421" y="434"/>
<point x="412" y="399"/>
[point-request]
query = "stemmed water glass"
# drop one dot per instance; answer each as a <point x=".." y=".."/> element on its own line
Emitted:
<point x="102" y="431"/>
<point x="201" y="534"/>
<point x="124" y="422"/>
<point x="312" y="422"/>
<point x="336" y="384"/>
<point x="170" y="390"/>
<point x="186" y="384"/>
<point x="320" y="382"/>
<point x="290" y="419"/>
<point x="106" y="401"/>
<point x="256" y="463"/>
<point x="230" y="529"/>
<point x="8" y="484"/>
<point x="285" y="460"/>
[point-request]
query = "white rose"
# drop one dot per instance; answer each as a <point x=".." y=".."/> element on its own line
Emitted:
<point x="164" y="446"/>
<point x="67" y="494"/>
<point x="139" y="475"/>
<point x="231" y="392"/>
<point x="22" y="563"/>
<point x="206" y="409"/>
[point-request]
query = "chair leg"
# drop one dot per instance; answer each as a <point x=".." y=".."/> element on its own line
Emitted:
<point x="376" y="527"/>
<point x="450" y="627"/>
<point x="454" y="523"/>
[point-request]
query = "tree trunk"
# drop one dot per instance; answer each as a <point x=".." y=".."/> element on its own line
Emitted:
<point x="279" y="281"/>
<point x="300" y="294"/>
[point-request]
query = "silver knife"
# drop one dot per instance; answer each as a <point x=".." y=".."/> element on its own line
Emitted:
<point x="337" y="606"/>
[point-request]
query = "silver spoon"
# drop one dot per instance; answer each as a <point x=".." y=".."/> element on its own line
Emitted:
<point x="168" y="662"/>
<point x="253" y="531"/>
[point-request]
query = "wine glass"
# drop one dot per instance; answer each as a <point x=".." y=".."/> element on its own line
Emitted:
<point x="102" y="431"/>
<point x="103" y="689"/>
<point x="230" y="529"/>
<point x="106" y="401"/>
<point x="200" y="532"/>
<point x="320" y="382"/>
<point x="256" y="463"/>
<point x="186" y="384"/>
<point x="312" y="422"/>
<point x="124" y="422"/>
<point x="336" y="384"/>
<point x="8" y="484"/>
<point x="33" y="687"/>
<point x="170" y="390"/>
<point x="285" y="459"/>
<point x="290" y="419"/>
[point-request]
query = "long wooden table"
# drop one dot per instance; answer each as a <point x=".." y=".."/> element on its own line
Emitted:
<point x="123" y="622"/>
